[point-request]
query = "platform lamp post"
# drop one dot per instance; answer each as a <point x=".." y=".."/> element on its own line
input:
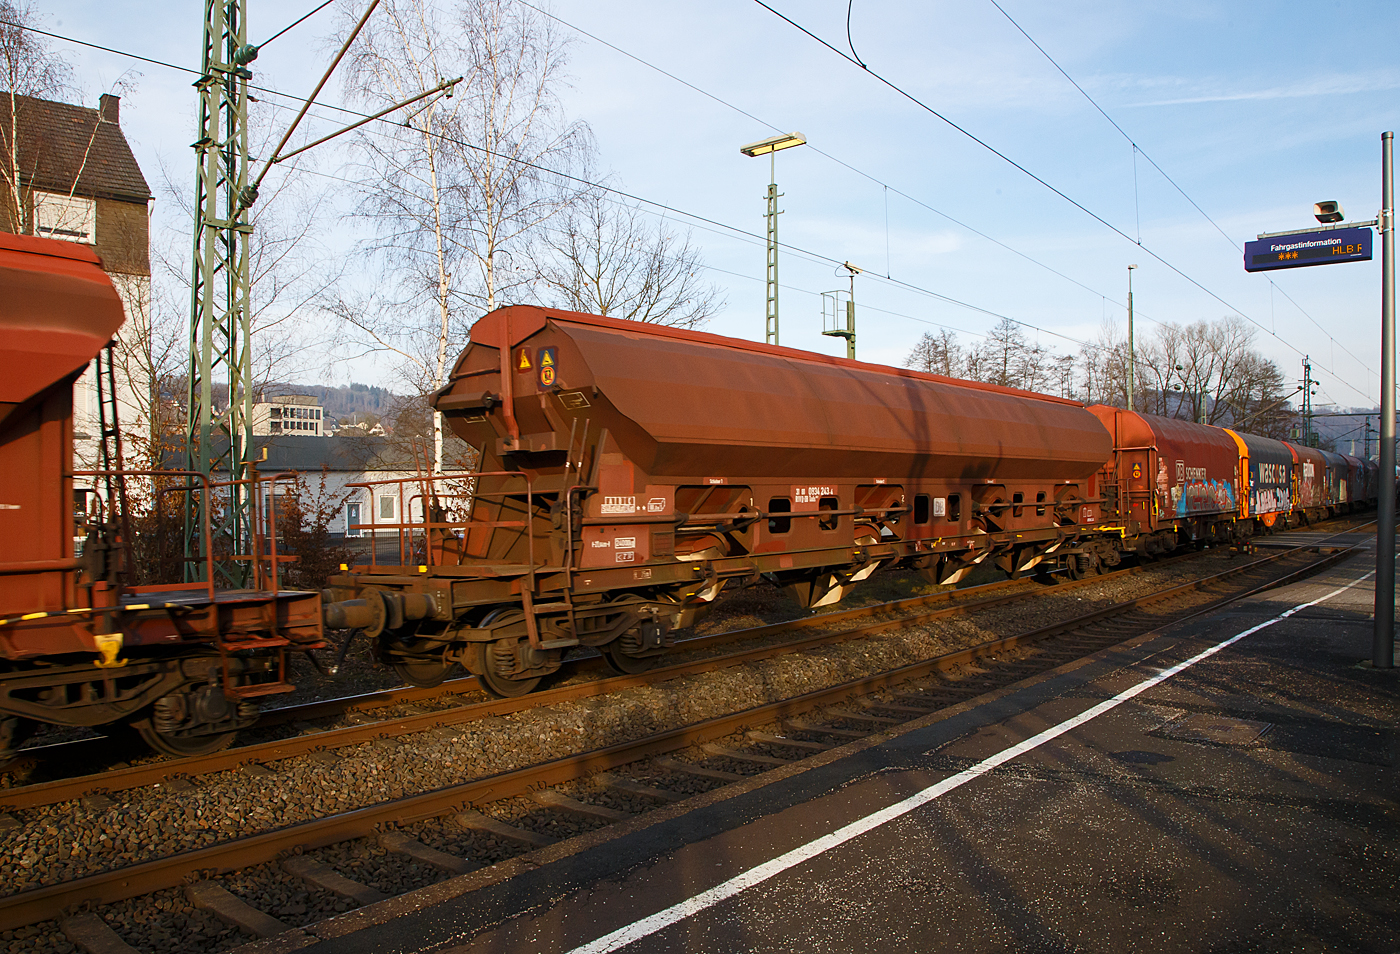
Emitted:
<point x="1132" y="359"/>
<point x="1383" y="640"/>
<point x="769" y="147"/>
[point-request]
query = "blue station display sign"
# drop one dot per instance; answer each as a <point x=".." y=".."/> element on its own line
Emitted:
<point x="1308" y="248"/>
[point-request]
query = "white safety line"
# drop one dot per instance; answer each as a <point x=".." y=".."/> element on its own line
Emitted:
<point x="757" y="875"/>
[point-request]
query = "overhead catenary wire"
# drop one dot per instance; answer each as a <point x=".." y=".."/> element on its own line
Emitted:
<point x="1175" y="185"/>
<point x="295" y="23"/>
<point x="811" y="147"/>
<point x="1036" y="178"/>
<point x="889" y="188"/>
<point x="725" y="227"/>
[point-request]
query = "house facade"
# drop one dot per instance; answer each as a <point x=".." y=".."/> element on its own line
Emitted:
<point x="68" y="173"/>
<point x="361" y="480"/>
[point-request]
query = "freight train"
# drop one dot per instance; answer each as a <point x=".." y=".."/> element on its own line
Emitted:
<point x="628" y="474"/>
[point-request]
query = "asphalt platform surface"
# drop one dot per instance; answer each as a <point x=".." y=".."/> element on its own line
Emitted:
<point x="1246" y="802"/>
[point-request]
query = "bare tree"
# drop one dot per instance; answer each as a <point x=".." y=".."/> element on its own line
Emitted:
<point x="1006" y="358"/>
<point x="605" y="258"/>
<point x="1064" y="375"/>
<point x="515" y="124"/>
<point x="1104" y="363"/>
<point x="151" y="355"/>
<point x="937" y="354"/>
<point x="464" y="185"/>
<point x="28" y="68"/>
<point x="408" y="195"/>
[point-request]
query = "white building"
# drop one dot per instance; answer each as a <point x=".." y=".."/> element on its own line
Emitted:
<point x="289" y="414"/>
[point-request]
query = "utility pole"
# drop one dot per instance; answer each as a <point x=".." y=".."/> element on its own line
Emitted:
<point x="770" y="272"/>
<point x="1383" y="639"/>
<point x="220" y="354"/>
<point x="1132" y="358"/>
<point x="1309" y="438"/>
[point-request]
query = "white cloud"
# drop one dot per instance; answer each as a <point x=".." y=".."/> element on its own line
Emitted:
<point x="1341" y="84"/>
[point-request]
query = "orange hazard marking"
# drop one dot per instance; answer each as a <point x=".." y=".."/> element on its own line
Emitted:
<point x="524" y="363"/>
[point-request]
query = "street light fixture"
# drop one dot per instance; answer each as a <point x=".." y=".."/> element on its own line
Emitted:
<point x="1132" y="359"/>
<point x="770" y="147"/>
<point x="1328" y="212"/>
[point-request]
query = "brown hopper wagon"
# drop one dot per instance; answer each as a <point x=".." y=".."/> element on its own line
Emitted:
<point x="629" y="472"/>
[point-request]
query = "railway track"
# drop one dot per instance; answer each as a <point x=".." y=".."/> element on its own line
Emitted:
<point x="652" y="770"/>
<point x="63" y="769"/>
<point x="884" y="616"/>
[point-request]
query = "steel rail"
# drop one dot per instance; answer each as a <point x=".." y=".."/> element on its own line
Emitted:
<point x="137" y="776"/>
<point x="39" y="904"/>
<point x="58" y="790"/>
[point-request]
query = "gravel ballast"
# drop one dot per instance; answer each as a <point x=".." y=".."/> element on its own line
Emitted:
<point x="57" y="843"/>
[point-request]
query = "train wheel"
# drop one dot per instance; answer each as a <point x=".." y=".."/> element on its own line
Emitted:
<point x="1080" y="565"/>
<point x="13" y="732"/>
<point x="182" y="745"/>
<point x="624" y="663"/>
<point x="425" y="672"/>
<point x="497" y="668"/>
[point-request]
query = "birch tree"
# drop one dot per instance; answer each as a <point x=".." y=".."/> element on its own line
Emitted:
<point x="408" y="194"/>
<point x="464" y="181"/>
<point x="517" y="135"/>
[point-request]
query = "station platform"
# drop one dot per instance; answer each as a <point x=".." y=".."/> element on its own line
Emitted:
<point x="1228" y="784"/>
<point x="1313" y="538"/>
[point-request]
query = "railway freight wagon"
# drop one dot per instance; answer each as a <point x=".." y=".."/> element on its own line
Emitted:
<point x="1320" y="481"/>
<point x="79" y="646"/>
<point x="1266" y="480"/>
<point x="1168" y="482"/>
<point x="629" y="471"/>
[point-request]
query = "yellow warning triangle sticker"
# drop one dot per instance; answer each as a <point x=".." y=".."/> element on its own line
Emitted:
<point x="546" y="359"/>
<point x="524" y="361"/>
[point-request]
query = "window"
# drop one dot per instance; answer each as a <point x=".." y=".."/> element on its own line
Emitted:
<point x="779" y="524"/>
<point x="921" y="508"/>
<point x="386" y="508"/>
<point x="72" y="218"/>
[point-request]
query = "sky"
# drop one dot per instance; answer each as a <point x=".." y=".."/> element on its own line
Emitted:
<point x="1235" y="117"/>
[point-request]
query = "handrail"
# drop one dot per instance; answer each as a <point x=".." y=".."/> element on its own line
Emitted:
<point x="272" y="522"/>
<point x="406" y="525"/>
<point x="204" y="478"/>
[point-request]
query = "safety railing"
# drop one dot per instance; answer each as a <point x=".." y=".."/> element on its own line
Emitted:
<point x="206" y="537"/>
<point x="423" y="491"/>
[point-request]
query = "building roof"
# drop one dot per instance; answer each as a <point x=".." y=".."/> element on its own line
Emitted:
<point x="60" y="144"/>
<point x="357" y="454"/>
